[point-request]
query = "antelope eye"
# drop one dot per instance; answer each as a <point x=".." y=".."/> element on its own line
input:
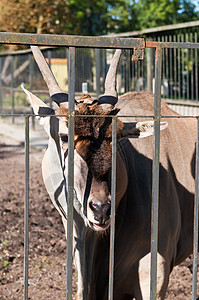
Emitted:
<point x="64" y="138"/>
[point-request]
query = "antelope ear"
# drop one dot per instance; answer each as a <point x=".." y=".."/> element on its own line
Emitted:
<point x="41" y="110"/>
<point x="140" y="129"/>
<point x="39" y="107"/>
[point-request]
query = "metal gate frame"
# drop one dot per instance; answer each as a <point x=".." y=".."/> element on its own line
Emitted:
<point x="137" y="45"/>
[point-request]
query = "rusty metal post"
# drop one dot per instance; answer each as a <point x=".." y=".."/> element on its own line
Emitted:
<point x="12" y="89"/>
<point x="49" y="53"/>
<point x="97" y="58"/>
<point x="149" y="58"/>
<point x="71" y="113"/>
<point x="187" y="68"/>
<point x="183" y="69"/>
<point x="155" y="179"/>
<point x="179" y="70"/>
<point x="195" y="226"/>
<point x="192" y="73"/>
<point x="1" y="98"/>
<point x="31" y="85"/>
<point x="196" y="67"/>
<point x="170" y="58"/>
<point x="113" y="199"/>
<point x="175" y="69"/>
<point x="26" y="211"/>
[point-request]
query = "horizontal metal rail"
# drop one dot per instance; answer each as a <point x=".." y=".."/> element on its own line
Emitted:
<point x="175" y="45"/>
<point x="10" y="89"/>
<point x="70" y="41"/>
<point x="87" y="41"/>
<point x="100" y="116"/>
<point x="26" y="51"/>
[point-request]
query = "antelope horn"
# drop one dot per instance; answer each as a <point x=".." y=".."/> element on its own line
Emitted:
<point x="56" y="93"/>
<point x="110" y="97"/>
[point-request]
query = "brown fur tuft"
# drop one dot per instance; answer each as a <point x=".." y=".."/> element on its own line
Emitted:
<point x="93" y="136"/>
<point x="85" y="96"/>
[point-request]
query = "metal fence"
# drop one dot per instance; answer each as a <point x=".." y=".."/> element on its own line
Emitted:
<point x="179" y="66"/>
<point x="137" y="46"/>
<point x="179" y="79"/>
<point x="90" y="64"/>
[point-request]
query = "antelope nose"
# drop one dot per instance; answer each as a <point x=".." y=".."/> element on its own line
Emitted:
<point x="101" y="211"/>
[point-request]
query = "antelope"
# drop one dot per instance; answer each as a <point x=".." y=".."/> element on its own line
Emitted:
<point x="92" y="185"/>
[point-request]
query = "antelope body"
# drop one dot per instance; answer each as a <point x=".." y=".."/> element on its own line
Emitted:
<point x="92" y="191"/>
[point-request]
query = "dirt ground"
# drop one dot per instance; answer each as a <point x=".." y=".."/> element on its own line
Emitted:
<point x="47" y="248"/>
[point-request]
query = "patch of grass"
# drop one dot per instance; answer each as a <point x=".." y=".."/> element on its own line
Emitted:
<point x="5" y="263"/>
<point x="38" y="267"/>
<point x="5" y="243"/>
<point x="45" y="260"/>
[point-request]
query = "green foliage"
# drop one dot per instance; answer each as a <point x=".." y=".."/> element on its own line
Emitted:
<point x="154" y="13"/>
<point x="187" y="12"/>
<point x="38" y="267"/>
<point x="5" y="263"/>
<point x="123" y="16"/>
<point x="89" y="17"/>
<point x="5" y="243"/>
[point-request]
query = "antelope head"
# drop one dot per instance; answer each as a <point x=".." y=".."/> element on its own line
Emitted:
<point x="93" y="141"/>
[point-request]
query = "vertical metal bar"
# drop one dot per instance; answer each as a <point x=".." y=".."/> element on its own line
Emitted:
<point x="192" y="75"/>
<point x="97" y="58"/>
<point x="175" y="70"/>
<point x="163" y="68"/>
<point x="26" y="212"/>
<point x="103" y="65"/>
<point x="133" y="76"/>
<point x="195" y="231"/>
<point x="125" y="73"/>
<point x="187" y="66"/>
<point x="183" y="72"/>
<point x="31" y="85"/>
<point x="139" y="72"/>
<point x="113" y="200"/>
<point x="12" y="87"/>
<point x="49" y="54"/>
<point x="127" y="88"/>
<point x="155" y="180"/>
<point x="136" y="74"/>
<point x="67" y="58"/>
<point x="171" y="68"/>
<point x="196" y="67"/>
<point x="167" y="67"/>
<point x="143" y="86"/>
<point x="70" y="197"/>
<point x="179" y="77"/>
<point x="30" y="71"/>
<point x="143" y="72"/>
<point x="149" y="54"/>
<point x="1" y="98"/>
<point x="80" y="59"/>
